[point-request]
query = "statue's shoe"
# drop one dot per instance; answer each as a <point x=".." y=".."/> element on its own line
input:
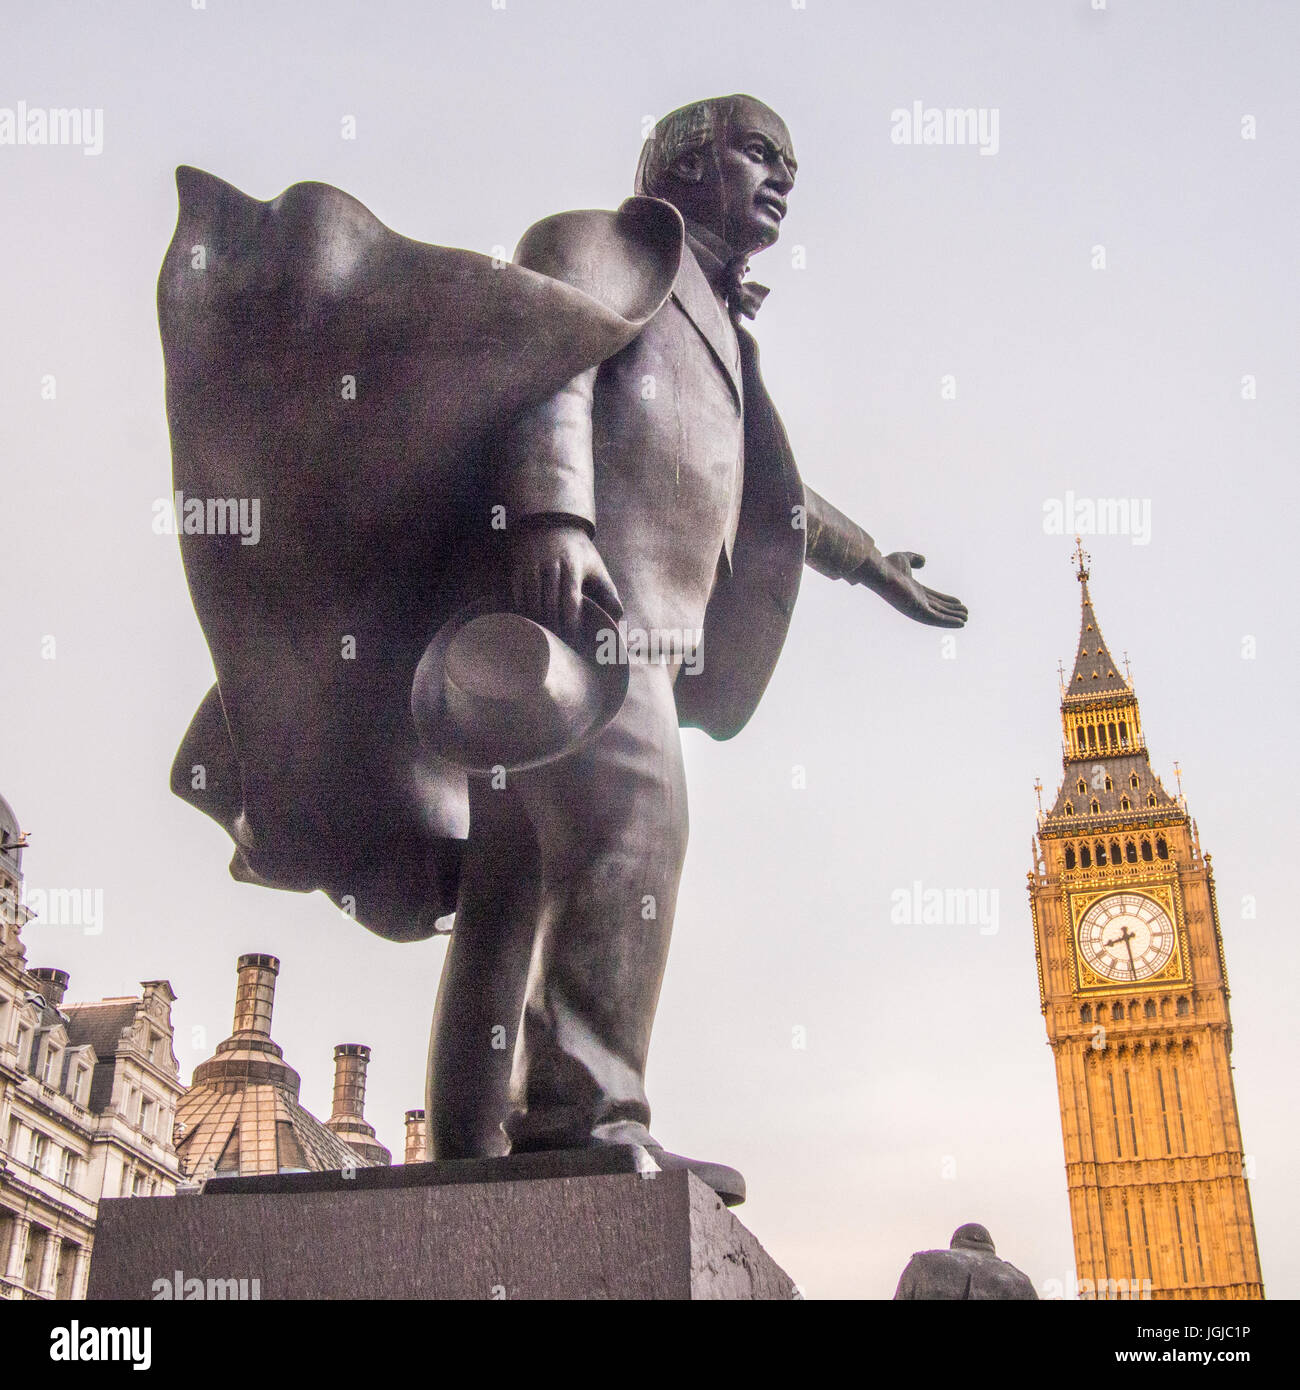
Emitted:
<point x="627" y="1156"/>
<point x="724" y="1180"/>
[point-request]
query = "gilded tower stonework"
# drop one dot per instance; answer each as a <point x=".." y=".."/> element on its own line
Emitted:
<point x="1134" y="990"/>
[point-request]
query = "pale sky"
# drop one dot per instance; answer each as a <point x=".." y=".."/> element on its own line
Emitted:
<point x="925" y="1094"/>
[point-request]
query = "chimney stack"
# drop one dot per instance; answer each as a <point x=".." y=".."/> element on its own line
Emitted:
<point x="53" y="984"/>
<point x="417" y="1137"/>
<point x="350" y="1063"/>
<point x="255" y="994"/>
<point x="348" y="1118"/>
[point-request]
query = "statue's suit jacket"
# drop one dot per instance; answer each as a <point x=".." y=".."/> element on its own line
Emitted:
<point x="672" y="455"/>
<point x="379" y="501"/>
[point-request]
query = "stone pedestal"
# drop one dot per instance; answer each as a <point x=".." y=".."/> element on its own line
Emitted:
<point x="480" y="1229"/>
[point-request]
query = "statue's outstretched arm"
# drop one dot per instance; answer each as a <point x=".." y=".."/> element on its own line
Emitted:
<point x="841" y="549"/>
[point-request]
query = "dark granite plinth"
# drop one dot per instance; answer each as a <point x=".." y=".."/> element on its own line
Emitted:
<point x="320" y="1236"/>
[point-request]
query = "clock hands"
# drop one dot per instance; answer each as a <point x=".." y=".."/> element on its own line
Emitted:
<point x="1127" y="937"/>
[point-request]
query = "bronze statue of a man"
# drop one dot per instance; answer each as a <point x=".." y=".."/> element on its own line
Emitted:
<point x="600" y="400"/>
<point x="968" y="1269"/>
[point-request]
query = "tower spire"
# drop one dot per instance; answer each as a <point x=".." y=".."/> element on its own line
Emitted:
<point x="1095" y="670"/>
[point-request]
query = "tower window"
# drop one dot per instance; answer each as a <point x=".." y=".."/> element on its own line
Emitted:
<point x="1151" y="798"/>
<point x="1079" y="739"/>
<point x="1133" y="780"/>
<point x="1162" y="849"/>
<point x="1069" y="808"/>
<point x="1124" y="804"/>
<point x="1123" y="734"/>
<point x="1115" y="855"/>
<point x="1146" y="849"/>
<point x="1085" y="1014"/>
<point x="1184" y="1008"/>
<point x="1130" y="849"/>
<point x="1100" y="851"/>
<point x="1110" y="786"/>
<point x="1085" y="856"/>
<point x="1092" y="736"/>
<point x="1096" y="806"/>
<point x="1114" y="736"/>
<point x="1150" y="1009"/>
<point x="1069" y="857"/>
<point x="1081" y="786"/>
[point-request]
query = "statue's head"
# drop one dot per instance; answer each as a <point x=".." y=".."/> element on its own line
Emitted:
<point x="972" y="1236"/>
<point x="727" y="163"/>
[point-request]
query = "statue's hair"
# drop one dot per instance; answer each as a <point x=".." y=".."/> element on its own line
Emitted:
<point x="688" y="128"/>
<point x="973" y="1236"/>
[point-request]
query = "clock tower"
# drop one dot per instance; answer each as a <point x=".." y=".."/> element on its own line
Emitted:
<point x="1134" y="990"/>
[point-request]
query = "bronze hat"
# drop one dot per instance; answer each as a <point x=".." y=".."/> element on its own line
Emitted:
<point x="496" y="689"/>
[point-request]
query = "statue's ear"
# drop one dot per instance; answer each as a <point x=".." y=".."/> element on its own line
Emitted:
<point x="688" y="167"/>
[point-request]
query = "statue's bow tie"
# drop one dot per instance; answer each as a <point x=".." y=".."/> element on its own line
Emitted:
<point x="743" y="296"/>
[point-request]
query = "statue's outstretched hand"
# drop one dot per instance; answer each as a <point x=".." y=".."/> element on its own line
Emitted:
<point x="551" y="565"/>
<point x="892" y="579"/>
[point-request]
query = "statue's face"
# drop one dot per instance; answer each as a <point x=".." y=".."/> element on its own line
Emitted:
<point x="738" y="188"/>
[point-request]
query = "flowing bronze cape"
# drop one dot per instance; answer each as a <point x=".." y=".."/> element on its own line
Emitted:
<point x="352" y="381"/>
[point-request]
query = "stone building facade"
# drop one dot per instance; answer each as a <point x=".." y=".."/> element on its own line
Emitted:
<point x="87" y="1097"/>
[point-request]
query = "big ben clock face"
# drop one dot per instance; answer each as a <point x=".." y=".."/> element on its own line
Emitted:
<point x="1126" y="937"/>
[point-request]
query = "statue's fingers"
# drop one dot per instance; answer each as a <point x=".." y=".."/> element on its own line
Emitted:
<point x="552" y="579"/>
<point x="570" y="599"/>
<point x="939" y="597"/>
<point x="600" y="586"/>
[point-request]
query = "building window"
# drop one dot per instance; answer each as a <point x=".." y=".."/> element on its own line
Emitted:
<point x="1146" y="849"/>
<point x="1096" y="807"/>
<point x="1162" y="849"/>
<point x="39" y="1154"/>
<point x="1110" y="786"/>
<point x="1130" y="852"/>
<point x="24" y="1048"/>
<point x="137" y="1185"/>
<point x="1085" y="1014"/>
<point x="1069" y="808"/>
<point x="1082" y="786"/>
<point x="81" y="1084"/>
<point x="1100" y="852"/>
<point x="1151" y="798"/>
<point x="1133" y="780"/>
<point x="50" y="1067"/>
<point x="147" y="1111"/>
<point x="1085" y="856"/>
<point x="1069" y="857"/>
<point x="1124" y="804"/>
<point x="1116" y="855"/>
<point x="15" y="1135"/>
<point x="1184" y="1008"/>
<point x="68" y="1175"/>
